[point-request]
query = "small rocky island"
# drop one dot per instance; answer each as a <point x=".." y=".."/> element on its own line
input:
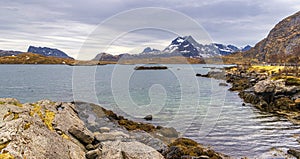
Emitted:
<point x="78" y="130"/>
<point x="151" y="68"/>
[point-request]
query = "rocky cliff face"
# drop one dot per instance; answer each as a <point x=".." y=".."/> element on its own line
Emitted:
<point x="280" y="42"/>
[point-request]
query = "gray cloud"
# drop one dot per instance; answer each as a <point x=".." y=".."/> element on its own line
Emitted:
<point x="66" y="24"/>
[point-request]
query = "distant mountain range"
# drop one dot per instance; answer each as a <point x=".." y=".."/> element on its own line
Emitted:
<point x="44" y="51"/>
<point x="189" y="47"/>
<point x="185" y="46"/>
<point x="278" y="46"/>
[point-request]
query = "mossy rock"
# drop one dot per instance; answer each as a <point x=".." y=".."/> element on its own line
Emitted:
<point x="284" y="103"/>
<point x="240" y="84"/>
<point x="184" y="142"/>
<point x="183" y="147"/>
<point x="128" y="124"/>
<point x="291" y="81"/>
<point x="131" y="125"/>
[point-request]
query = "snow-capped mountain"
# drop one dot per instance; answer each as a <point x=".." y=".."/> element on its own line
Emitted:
<point x="181" y="46"/>
<point x="189" y="47"/>
<point x="229" y="49"/>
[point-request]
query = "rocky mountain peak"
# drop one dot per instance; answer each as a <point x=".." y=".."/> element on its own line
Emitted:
<point x="150" y="50"/>
<point x="45" y="51"/>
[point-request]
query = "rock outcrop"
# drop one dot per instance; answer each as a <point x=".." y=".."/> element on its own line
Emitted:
<point x="78" y="130"/>
<point x="268" y="92"/>
<point x="39" y="130"/>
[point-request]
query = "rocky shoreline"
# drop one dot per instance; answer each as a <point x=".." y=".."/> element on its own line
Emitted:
<point x="267" y="92"/>
<point x="265" y="88"/>
<point x="78" y="130"/>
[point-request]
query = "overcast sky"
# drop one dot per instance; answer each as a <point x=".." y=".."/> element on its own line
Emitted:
<point x="67" y="24"/>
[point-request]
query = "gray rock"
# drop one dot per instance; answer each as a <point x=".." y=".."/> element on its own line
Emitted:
<point x="93" y="154"/>
<point x="168" y="132"/>
<point x="112" y="136"/>
<point x="104" y="129"/>
<point x="134" y="149"/>
<point x="265" y="86"/>
<point x="148" y="117"/>
<point x="90" y="147"/>
<point x="82" y="134"/>
<point x="149" y="140"/>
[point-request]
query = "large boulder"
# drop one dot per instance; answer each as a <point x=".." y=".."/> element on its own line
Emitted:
<point x="132" y="149"/>
<point x="265" y="86"/>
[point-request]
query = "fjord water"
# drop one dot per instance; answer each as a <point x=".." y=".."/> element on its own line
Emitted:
<point x="197" y="107"/>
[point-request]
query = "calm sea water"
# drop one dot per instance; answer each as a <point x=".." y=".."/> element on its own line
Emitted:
<point x="197" y="107"/>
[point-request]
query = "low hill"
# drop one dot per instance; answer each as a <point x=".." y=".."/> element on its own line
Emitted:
<point x="30" y="58"/>
<point x="9" y="53"/>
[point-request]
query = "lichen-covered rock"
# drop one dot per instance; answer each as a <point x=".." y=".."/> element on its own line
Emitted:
<point x="27" y="131"/>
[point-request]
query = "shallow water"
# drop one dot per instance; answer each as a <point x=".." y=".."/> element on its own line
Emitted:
<point x="197" y="107"/>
